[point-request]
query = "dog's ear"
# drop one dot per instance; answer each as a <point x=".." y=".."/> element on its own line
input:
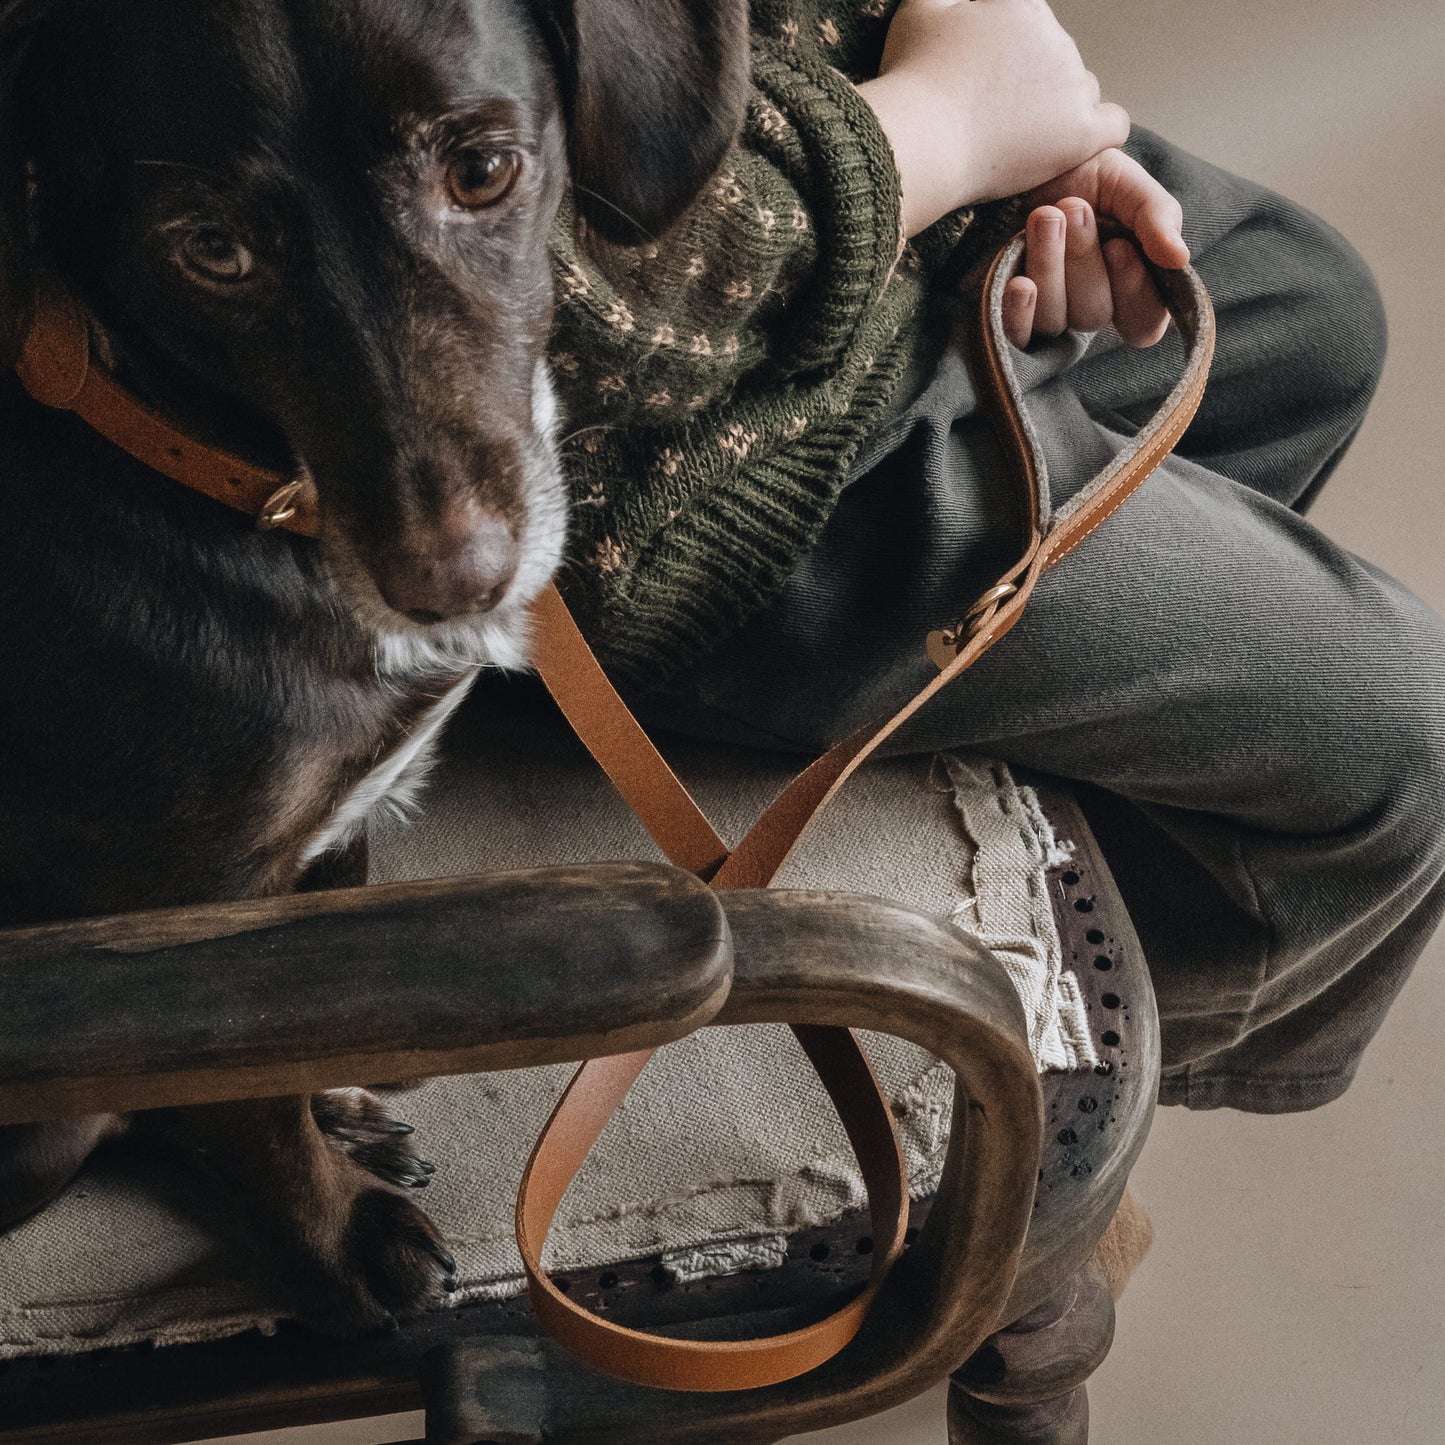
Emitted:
<point x="17" y="21"/>
<point x="656" y="91"/>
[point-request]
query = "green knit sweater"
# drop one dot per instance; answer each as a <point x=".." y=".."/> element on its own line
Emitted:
<point x="717" y="385"/>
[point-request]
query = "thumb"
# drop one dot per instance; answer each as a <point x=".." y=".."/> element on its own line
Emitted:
<point x="1134" y="198"/>
<point x="1110" y="126"/>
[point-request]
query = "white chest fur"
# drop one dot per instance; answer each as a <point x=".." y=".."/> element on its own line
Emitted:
<point x="498" y="639"/>
<point x="393" y="783"/>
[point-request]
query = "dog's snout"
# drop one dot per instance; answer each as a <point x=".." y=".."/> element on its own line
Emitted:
<point x="460" y="567"/>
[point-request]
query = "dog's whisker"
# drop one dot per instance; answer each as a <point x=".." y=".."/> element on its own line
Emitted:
<point x="583" y="431"/>
<point x="157" y="163"/>
<point x="610" y="205"/>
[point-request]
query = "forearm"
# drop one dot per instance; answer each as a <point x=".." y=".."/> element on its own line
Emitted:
<point x="929" y="167"/>
<point x="983" y="101"/>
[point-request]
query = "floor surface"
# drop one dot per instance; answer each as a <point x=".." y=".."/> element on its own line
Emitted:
<point x="1296" y="1295"/>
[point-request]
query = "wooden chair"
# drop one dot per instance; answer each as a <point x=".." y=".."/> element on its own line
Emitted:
<point x="1000" y="1284"/>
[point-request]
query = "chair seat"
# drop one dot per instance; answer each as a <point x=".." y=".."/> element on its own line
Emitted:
<point x="727" y="1154"/>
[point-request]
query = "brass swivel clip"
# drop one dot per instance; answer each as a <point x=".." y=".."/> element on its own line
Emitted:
<point x="946" y="643"/>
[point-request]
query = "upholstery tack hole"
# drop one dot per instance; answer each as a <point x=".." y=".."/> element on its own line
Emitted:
<point x="864" y="1245"/>
<point x="1067" y="1137"/>
<point x="1103" y="963"/>
<point x="1083" y="905"/>
<point x="1109" y="1039"/>
<point x="1110" y="1000"/>
<point x="820" y="1252"/>
<point x="1095" y="936"/>
<point x="1069" y="879"/>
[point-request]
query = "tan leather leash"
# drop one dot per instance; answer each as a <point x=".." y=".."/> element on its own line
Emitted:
<point x="679" y="827"/>
<point x="57" y="370"/>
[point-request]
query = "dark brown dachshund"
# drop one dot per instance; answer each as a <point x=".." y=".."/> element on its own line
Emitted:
<point x="314" y="232"/>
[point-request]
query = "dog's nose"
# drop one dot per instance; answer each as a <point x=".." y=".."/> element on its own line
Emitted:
<point x="460" y="567"/>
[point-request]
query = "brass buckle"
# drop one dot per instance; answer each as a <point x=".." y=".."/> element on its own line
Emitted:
<point x="946" y="643"/>
<point x="283" y="504"/>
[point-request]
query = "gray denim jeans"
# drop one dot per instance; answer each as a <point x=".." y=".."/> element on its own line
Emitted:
<point x="1256" y="716"/>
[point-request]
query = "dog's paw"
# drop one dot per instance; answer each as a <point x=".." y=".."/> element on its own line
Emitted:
<point x="324" y="1183"/>
<point x="375" y="1261"/>
<point x="362" y="1255"/>
<point x="358" y="1124"/>
<point x="400" y="1254"/>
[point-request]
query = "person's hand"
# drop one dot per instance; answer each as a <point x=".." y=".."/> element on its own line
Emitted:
<point x="983" y="99"/>
<point x="1070" y="280"/>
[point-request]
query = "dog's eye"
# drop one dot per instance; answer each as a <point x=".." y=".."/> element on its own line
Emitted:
<point x="480" y="178"/>
<point x="214" y="255"/>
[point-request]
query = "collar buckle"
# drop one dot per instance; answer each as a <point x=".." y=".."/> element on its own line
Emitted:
<point x="286" y="501"/>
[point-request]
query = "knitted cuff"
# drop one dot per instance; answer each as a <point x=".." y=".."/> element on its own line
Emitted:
<point x="852" y="186"/>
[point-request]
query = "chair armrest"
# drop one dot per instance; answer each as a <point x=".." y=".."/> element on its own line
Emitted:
<point x="310" y="991"/>
<point x="821" y="958"/>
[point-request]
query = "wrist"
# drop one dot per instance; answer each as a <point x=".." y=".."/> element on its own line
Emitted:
<point x="929" y="148"/>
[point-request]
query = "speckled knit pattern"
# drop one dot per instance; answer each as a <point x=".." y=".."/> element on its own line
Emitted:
<point x="718" y="383"/>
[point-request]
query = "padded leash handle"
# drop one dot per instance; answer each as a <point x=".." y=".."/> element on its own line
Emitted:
<point x="655" y="793"/>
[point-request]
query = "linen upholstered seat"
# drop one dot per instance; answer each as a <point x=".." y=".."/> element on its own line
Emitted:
<point x="727" y="1147"/>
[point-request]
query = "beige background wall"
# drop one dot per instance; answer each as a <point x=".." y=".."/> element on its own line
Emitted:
<point x="1297" y="1292"/>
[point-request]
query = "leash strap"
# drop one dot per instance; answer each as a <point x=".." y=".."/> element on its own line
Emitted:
<point x="618" y="742"/>
<point x="57" y="369"/>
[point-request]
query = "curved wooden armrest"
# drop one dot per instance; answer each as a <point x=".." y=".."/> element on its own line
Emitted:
<point x="823" y="958"/>
<point x="288" y="995"/>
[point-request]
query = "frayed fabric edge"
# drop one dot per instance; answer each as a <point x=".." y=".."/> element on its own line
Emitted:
<point x="193" y="1332"/>
<point x="1056" y="851"/>
<point x="1013" y="846"/>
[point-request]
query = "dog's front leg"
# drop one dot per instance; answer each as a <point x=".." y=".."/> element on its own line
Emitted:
<point x="37" y="1161"/>
<point x="323" y="1181"/>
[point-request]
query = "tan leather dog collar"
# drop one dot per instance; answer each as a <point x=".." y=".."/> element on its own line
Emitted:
<point x="58" y="369"/>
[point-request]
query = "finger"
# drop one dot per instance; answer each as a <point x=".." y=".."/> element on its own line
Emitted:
<point x="1019" y="298"/>
<point x="1140" y="315"/>
<point x="1044" y="266"/>
<point x="1086" y="278"/>
<point x="1129" y="194"/>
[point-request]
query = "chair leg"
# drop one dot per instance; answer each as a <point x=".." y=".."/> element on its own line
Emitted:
<point x="1064" y="1421"/>
<point x="1025" y="1385"/>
